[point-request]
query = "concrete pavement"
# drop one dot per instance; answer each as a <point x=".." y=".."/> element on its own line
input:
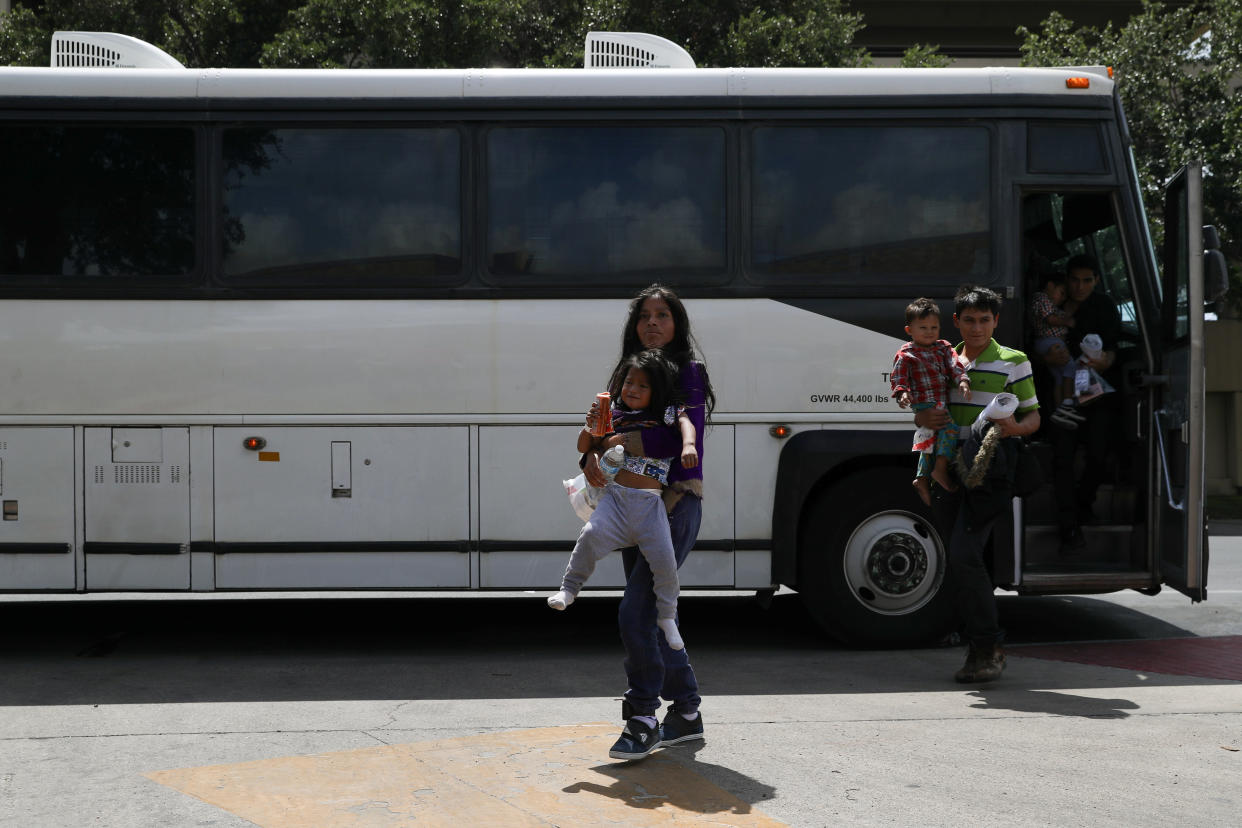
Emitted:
<point x="1053" y="742"/>
<point x="1115" y="710"/>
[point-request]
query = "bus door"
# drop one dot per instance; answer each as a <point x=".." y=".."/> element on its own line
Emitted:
<point x="1181" y="541"/>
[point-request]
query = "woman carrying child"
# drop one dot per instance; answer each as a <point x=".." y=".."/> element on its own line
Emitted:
<point x="658" y="319"/>
<point x="631" y="509"/>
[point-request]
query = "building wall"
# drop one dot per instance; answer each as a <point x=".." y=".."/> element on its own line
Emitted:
<point x="1223" y="344"/>
<point x="977" y="32"/>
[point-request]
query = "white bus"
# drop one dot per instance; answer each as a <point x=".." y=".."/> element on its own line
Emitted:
<point x="336" y="330"/>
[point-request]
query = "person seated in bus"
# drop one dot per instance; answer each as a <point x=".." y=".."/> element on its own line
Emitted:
<point x="631" y="509"/>
<point x="966" y="517"/>
<point x="1051" y="325"/>
<point x="1094" y="313"/>
<point x="923" y="369"/>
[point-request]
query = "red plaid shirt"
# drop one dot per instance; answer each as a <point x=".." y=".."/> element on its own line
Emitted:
<point x="925" y="370"/>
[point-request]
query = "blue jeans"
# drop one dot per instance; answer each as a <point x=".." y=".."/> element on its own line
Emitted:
<point x="652" y="668"/>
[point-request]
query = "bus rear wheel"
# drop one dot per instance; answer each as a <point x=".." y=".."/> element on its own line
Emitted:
<point x="871" y="566"/>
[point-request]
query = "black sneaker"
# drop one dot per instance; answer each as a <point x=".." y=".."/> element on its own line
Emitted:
<point x="636" y="740"/>
<point x="1067" y="417"/>
<point x="677" y="729"/>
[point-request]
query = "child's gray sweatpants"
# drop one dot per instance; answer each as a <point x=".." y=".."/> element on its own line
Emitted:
<point x="628" y="517"/>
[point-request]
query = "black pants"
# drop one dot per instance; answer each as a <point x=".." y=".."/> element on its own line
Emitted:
<point x="967" y="576"/>
<point x="1074" y="498"/>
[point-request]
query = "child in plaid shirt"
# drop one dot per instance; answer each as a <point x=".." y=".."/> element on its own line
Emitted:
<point x="922" y="370"/>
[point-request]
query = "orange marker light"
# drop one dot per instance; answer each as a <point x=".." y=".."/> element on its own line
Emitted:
<point x="254" y="443"/>
<point x="780" y="431"/>
<point x="1110" y="71"/>
<point x="1078" y="83"/>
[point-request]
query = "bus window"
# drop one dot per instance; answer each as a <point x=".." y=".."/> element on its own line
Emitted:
<point x="96" y="200"/>
<point x="1070" y="224"/>
<point x="862" y="202"/>
<point x="614" y="204"/>
<point x="1065" y="148"/>
<point x="372" y="204"/>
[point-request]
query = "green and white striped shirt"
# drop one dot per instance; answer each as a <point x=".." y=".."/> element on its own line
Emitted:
<point x="995" y="370"/>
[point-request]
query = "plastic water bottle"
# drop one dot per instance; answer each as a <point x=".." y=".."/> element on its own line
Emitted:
<point x="611" y="461"/>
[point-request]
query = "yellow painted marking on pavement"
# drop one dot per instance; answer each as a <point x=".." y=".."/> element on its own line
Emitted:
<point x="545" y="776"/>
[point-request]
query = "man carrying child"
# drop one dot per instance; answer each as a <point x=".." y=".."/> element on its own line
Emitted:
<point x="965" y="516"/>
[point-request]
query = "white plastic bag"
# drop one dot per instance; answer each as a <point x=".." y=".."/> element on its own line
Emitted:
<point x="582" y="496"/>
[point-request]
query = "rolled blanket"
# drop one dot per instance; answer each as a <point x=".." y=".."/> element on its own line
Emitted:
<point x="1002" y="405"/>
<point x="1091" y="346"/>
<point x="974" y="458"/>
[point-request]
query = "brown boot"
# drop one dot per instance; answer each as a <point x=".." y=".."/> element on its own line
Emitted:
<point x="991" y="664"/>
<point x="982" y="664"/>
<point x="967" y="673"/>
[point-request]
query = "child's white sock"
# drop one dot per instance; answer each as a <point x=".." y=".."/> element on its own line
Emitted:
<point x="690" y="717"/>
<point x="561" y="600"/>
<point x="669" y="628"/>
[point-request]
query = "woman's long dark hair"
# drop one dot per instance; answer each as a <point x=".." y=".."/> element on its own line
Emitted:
<point x="681" y="350"/>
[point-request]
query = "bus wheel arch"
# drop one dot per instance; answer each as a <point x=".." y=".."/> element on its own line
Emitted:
<point x="871" y="565"/>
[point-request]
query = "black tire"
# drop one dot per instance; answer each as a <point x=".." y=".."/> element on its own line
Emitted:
<point x="871" y="564"/>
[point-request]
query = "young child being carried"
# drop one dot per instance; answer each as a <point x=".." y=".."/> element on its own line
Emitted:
<point x="631" y="511"/>
<point x="1047" y="316"/>
<point x="1051" y="325"/>
<point x="922" y="371"/>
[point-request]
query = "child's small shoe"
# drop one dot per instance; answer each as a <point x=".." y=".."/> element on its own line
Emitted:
<point x="561" y="600"/>
<point x="669" y="627"/>
<point x="1066" y="416"/>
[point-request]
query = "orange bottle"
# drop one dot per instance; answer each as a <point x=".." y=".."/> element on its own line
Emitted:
<point x="603" y="423"/>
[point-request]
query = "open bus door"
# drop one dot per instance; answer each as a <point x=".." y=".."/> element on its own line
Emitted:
<point x="1177" y="493"/>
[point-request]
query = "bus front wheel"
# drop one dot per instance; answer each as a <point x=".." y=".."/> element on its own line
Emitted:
<point x="871" y="566"/>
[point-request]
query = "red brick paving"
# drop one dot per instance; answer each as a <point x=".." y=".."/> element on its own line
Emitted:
<point x="1218" y="657"/>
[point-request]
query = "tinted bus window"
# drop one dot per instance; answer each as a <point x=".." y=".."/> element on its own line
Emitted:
<point x="573" y="202"/>
<point x="343" y="204"/>
<point x="868" y="202"/>
<point x="96" y="200"/>
<point x="1064" y="148"/>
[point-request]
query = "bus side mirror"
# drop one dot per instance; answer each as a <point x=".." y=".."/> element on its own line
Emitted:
<point x="1215" y="268"/>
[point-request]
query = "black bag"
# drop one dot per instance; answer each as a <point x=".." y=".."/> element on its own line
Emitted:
<point x="1028" y="474"/>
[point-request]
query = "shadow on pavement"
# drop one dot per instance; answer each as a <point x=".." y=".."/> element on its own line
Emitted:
<point x="1052" y="702"/>
<point x="328" y="649"/>
<point x="640" y="785"/>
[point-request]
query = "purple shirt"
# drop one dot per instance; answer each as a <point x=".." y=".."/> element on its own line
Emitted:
<point x="666" y="442"/>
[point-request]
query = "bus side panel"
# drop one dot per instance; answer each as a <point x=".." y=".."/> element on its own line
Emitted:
<point x="814" y="459"/>
<point x="344" y="506"/>
<point x="758" y="456"/>
<point x="137" y="505"/>
<point x="36" y="533"/>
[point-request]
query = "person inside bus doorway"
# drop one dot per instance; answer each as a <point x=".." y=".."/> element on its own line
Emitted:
<point x="1094" y="313"/>
<point x="658" y="319"/>
<point x="966" y="518"/>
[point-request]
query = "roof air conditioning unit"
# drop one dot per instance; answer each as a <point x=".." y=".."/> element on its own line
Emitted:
<point x="106" y="49"/>
<point x="625" y="50"/>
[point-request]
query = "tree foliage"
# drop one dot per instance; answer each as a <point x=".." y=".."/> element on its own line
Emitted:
<point x="440" y="33"/>
<point x="1178" y="72"/>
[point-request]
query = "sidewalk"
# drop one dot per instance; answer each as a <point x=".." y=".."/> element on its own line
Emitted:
<point x="894" y="742"/>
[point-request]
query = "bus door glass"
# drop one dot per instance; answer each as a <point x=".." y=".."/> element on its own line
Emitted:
<point x="1181" y="543"/>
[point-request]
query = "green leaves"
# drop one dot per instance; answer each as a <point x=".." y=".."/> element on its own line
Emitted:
<point x="1175" y="70"/>
<point x="443" y="33"/>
